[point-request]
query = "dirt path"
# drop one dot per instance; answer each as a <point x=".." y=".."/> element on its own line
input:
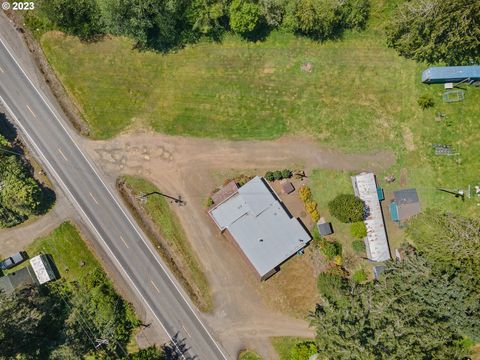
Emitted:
<point x="19" y="237"/>
<point x="192" y="168"/>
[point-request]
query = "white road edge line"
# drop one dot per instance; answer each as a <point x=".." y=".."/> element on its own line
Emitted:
<point x="119" y="206"/>
<point x="121" y="237"/>
<point x="96" y="202"/>
<point x="61" y="153"/>
<point x="28" y="107"/>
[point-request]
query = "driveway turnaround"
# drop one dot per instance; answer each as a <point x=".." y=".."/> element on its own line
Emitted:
<point x="46" y="133"/>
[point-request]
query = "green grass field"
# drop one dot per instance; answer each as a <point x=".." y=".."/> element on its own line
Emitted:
<point x="169" y="226"/>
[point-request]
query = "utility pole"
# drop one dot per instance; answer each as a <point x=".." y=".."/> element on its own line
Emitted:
<point x="177" y="200"/>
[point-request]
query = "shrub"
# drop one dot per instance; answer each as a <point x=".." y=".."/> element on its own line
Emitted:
<point x="209" y="202"/>
<point x="277" y="175"/>
<point x="310" y="206"/>
<point x="358" y="230"/>
<point x="305" y="193"/>
<point x="269" y="176"/>
<point x="358" y="246"/>
<point x="425" y="101"/>
<point x="338" y="260"/>
<point x="359" y="276"/>
<point x="347" y="208"/>
<point x="303" y="350"/>
<point x="330" y="248"/>
<point x="286" y="174"/>
<point x="315" y="215"/>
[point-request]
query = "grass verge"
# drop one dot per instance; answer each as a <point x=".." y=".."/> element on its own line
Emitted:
<point x="163" y="227"/>
<point x="249" y="355"/>
<point x="284" y="344"/>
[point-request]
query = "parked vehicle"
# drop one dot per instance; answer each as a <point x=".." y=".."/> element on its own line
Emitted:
<point x="13" y="260"/>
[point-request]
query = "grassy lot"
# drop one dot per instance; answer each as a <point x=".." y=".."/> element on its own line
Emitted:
<point x="238" y="89"/>
<point x="249" y="355"/>
<point x="168" y="226"/>
<point x="72" y="257"/>
<point x="284" y="344"/>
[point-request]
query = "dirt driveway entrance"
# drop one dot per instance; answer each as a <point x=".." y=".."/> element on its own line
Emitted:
<point x="192" y="168"/>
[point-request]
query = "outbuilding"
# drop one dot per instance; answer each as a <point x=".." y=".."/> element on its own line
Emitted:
<point x="451" y="74"/>
<point x="324" y="228"/>
<point x="260" y="226"/>
<point x="405" y="205"/>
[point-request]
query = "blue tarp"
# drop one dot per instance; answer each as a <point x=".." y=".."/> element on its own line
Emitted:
<point x="380" y="194"/>
<point x="444" y="74"/>
<point x="394" y="211"/>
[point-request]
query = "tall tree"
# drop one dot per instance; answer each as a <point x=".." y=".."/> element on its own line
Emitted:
<point x="244" y="16"/>
<point x="412" y="312"/>
<point x="156" y="24"/>
<point x="437" y="31"/>
<point x="79" y="17"/>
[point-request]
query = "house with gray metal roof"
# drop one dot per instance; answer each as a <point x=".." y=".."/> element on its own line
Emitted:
<point x="376" y="243"/>
<point x="261" y="227"/>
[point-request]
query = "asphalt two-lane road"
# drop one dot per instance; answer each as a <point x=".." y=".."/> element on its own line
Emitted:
<point x="46" y="133"/>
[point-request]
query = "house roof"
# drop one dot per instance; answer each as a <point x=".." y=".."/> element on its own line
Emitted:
<point x="42" y="269"/>
<point x="407" y="202"/>
<point x="225" y="192"/>
<point x="260" y="225"/>
<point x="17" y="279"/>
<point x="365" y="187"/>
<point x="451" y="72"/>
<point x="324" y="228"/>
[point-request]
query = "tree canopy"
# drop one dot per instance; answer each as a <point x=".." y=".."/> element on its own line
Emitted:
<point x="437" y="31"/>
<point x="164" y="25"/>
<point x="412" y="312"/>
<point x="347" y="208"/>
<point x="20" y="194"/>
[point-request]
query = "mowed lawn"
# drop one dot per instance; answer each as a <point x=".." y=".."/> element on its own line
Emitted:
<point x="241" y="90"/>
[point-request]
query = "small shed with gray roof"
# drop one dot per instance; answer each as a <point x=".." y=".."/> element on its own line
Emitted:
<point x="405" y="205"/>
<point x="260" y="226"/>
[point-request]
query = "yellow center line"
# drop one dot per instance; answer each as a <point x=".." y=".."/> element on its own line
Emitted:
<point x="96" y="202"/>
<point x="121" y="237"/>
<point x="155" y="286"/>
<point x="61" y="153"/>
<point x="28" y="107"/>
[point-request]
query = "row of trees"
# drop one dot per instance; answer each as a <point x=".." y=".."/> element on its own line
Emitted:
<point x="163" y="25"/>
<point x="20" y="194"/>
